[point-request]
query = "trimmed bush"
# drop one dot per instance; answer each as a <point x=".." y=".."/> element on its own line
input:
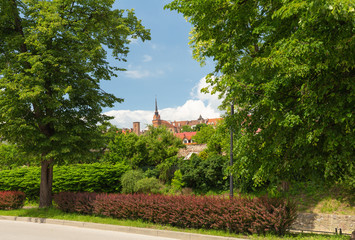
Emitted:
<point x="240" y="215"/>
<point x="12" y="200"/>
<point x="24" y="179"/>
<point x="75" y="202"/>
<point x="97" y="177"/>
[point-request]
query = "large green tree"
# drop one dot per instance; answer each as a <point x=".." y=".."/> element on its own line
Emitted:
<point x="289" y="66"/>
<point x="53" y="55"/>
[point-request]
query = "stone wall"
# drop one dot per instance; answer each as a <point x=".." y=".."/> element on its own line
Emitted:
<point x="195" y="148"/>
<point x="324" y="223"/>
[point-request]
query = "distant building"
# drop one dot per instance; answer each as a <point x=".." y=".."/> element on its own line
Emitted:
<point x="136" y="129"/>
<point x="176" y="126"/>
<point x="186" y="137"/>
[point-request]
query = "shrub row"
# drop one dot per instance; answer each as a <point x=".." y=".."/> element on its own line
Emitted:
<point x="96" y="177"/>
<point x="81" y="202"/>
<point x="12" y="200"/>
<point x="239" y="215"/>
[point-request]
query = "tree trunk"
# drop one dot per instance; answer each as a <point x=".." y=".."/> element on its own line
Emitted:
<point x="45" y="195"/>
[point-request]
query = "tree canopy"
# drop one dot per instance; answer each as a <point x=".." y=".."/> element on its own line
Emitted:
<point x="53" y="55"/>
<point x="147" y="150"/>
<point x="204" y="134"/>
<point x="289" y="66"/>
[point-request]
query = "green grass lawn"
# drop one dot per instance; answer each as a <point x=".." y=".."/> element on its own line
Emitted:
<point x="316" y="198"/>
<point x="54" y="213"/>
<point x="313" y="197"/>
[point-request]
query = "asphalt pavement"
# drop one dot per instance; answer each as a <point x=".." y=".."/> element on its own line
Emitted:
<point x="29" y="228"/>
<point x="15" y="230"/>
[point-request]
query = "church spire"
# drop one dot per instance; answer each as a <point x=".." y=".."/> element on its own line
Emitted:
<point x="156" y="106"/>
<point x="156" y="114"/>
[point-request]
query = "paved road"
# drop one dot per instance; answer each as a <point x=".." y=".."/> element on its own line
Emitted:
<point x="11" y="230"/>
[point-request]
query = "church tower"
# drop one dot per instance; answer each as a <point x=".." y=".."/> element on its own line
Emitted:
<point x="156" y="118"/>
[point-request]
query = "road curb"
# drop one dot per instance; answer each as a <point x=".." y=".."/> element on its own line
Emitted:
<point x="117" y="228"/>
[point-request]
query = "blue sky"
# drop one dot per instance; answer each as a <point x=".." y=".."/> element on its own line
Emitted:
<point x="161" y="67"/>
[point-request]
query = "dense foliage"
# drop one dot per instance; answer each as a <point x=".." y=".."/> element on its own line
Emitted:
<point x="149" y="185"/>
<point x="74" y="178"/>
<point x="11" y="157"/>
<point x="129" y="180"/>
<point x="204" y="135"/>
<point x="290" y="69"/>
<point x="52" y="59"/>
<point x="216" y="137"/>
<point x="12" y="200"/>
<point x="239" y="215"/>
<point x="149" y="149"/>
<point x="204" y="175"/>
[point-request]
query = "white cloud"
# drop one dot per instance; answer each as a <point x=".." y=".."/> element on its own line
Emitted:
<point x="137" y="74"/>
<point x="147" y="58"/>
<point x="125" y="118"/>
<point x="200" y="104"/>
<point x="191" y="110"/>
<point x="211" y="100"/>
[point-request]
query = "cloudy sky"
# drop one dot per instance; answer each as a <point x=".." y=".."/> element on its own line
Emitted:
<point x="162" y="68"/>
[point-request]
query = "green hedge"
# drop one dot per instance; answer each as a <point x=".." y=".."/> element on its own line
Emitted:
<point x="96" y="177"/>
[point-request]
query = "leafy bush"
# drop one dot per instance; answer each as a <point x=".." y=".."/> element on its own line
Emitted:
<point x="177" y="182"/>
<point x="75" y="202"/>
<point x="148" y="185"/>
<point x="239" y="215"/>
<point x="12" y="200"/>
<point x="130" y="179"/>
<point x="258" y="215"/>
<point x="26" y="179"/>
<point x="151" y="172"/>
<point x="205" y="175"/>
<point x="167" y="168"/>
<point x="97" y="177"/>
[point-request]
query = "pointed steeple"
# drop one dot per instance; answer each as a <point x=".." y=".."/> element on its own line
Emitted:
<point x="156" y="107"/>
<point x="156" y="114"/>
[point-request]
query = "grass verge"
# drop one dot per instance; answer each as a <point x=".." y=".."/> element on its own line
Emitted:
<point x="54" y="213"/>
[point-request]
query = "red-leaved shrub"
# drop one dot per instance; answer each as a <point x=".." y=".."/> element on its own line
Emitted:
<point x="75" y="202"/>
<point x="12" y="200"/>
<point x="239" y="215"/>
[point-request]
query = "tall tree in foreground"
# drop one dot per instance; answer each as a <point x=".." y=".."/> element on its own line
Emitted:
<point x="52" y="58"/>
<point x="290" y="68"/>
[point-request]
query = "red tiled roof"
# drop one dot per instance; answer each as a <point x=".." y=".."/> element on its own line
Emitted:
<point x="187" y="135"/>
<point x="213" y="120"/>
